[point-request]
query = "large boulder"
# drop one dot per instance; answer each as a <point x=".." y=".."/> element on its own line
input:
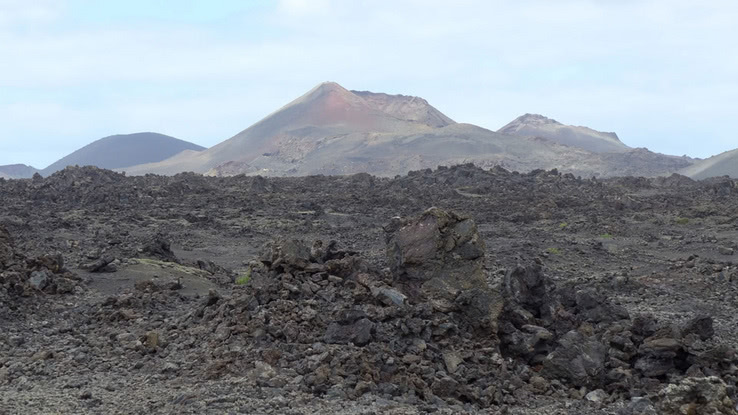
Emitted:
<point x="160" y="248"/>
<point x="22" y="276"/>
<point x="578" y="359"/>
<point x="706" y="396"/>
<point x="528" y="288"/>
<point x="701" y="326"/>
<point x="659" y="355"/>
<point x="439" y="257"/>
<point x="286" y="255"/>
<point x="351" y="326"/>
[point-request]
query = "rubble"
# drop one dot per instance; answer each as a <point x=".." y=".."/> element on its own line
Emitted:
<point x="550" y="294"/>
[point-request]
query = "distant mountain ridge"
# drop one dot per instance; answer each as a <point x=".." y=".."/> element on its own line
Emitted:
<point x="723" y="164"/>
<point x="536" y="125"/>
<point x="17" y="171"/>
<point x="322" y="116"/>
<point x="123" y="150"/>
<point x="331" y="130"/>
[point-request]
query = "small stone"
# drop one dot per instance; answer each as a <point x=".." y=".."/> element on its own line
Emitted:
<point x="538" y="383"/>
<point x="152" y="340"/>
<point x="452" y="361"/>
<point x="444" y="386"/>
<point x="16" y="341"/>
<point x="85" y="395"/>
<point x="42" y="355"/>
<point x="213" y="297"/>
<point x="410" y="359"/>
<point x="175" y="285"/>
<point x="597" y="396"/>
<point x="358" y="332"/>
<point x="169" y="367"/>
<point x="262" y="370"/>
<point x="389" y="296"/>
<point x="638" y="406"/>
<point x="39" y="280"/>
<point x="363" y="387"/>
<point x="724" y="250"/>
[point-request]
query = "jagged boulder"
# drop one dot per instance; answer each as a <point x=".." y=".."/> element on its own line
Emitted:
<point x="351" y="326"/>
<point x="439" y="257"/>
<point x="578" y="359"/>
<point x="286" y="255"/>
<point x="21" y="276"/>
<point x="701" y="326"/>
<point x="160" y="248"/>
<point x="530" y="294"/>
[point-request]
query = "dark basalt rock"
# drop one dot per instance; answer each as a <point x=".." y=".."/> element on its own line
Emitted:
<point x="439" y="257"/>
<point x="21" y="276"/>
<point x="358" y="332"/>
<point x="160" y="248"/>
<point x="578" y="359"/>
<point x="701" y="326"/>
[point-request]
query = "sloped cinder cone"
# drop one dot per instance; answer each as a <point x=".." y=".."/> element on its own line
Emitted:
<point x="439" y="257"/>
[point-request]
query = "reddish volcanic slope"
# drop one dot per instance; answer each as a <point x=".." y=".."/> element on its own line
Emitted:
<point x="331" y="130"/>
<point x="325" y="113"/>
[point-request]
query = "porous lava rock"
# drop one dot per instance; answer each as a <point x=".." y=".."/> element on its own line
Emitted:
<point x="707" y="395"/>
<point x="439" y="257"/>
<point x="21" y="276"/>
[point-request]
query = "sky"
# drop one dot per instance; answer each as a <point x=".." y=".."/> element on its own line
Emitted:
<point x="662" y="74"/>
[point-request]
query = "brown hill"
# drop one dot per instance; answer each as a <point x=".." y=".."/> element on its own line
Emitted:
<point x="407" y="108"/>
<point x="331" y="130"/>
<point x="326" y="114"/>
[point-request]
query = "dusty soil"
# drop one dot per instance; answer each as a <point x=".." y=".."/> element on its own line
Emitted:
<point x="193" y="294"/>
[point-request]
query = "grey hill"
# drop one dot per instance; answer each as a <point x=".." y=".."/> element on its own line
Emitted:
<point x="123" y="150"/>
<point x="582" y="137"/>
<point x="17" y="171"/>
<point x="723" y="164"/>
<point x="111" y="152"/>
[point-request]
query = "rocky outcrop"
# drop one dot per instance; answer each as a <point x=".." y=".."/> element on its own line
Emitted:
<point x="706" y="396"/>
<point x="439" y="257"/>
<point x="21" y="276"/>
<point x="577" y="336"/>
